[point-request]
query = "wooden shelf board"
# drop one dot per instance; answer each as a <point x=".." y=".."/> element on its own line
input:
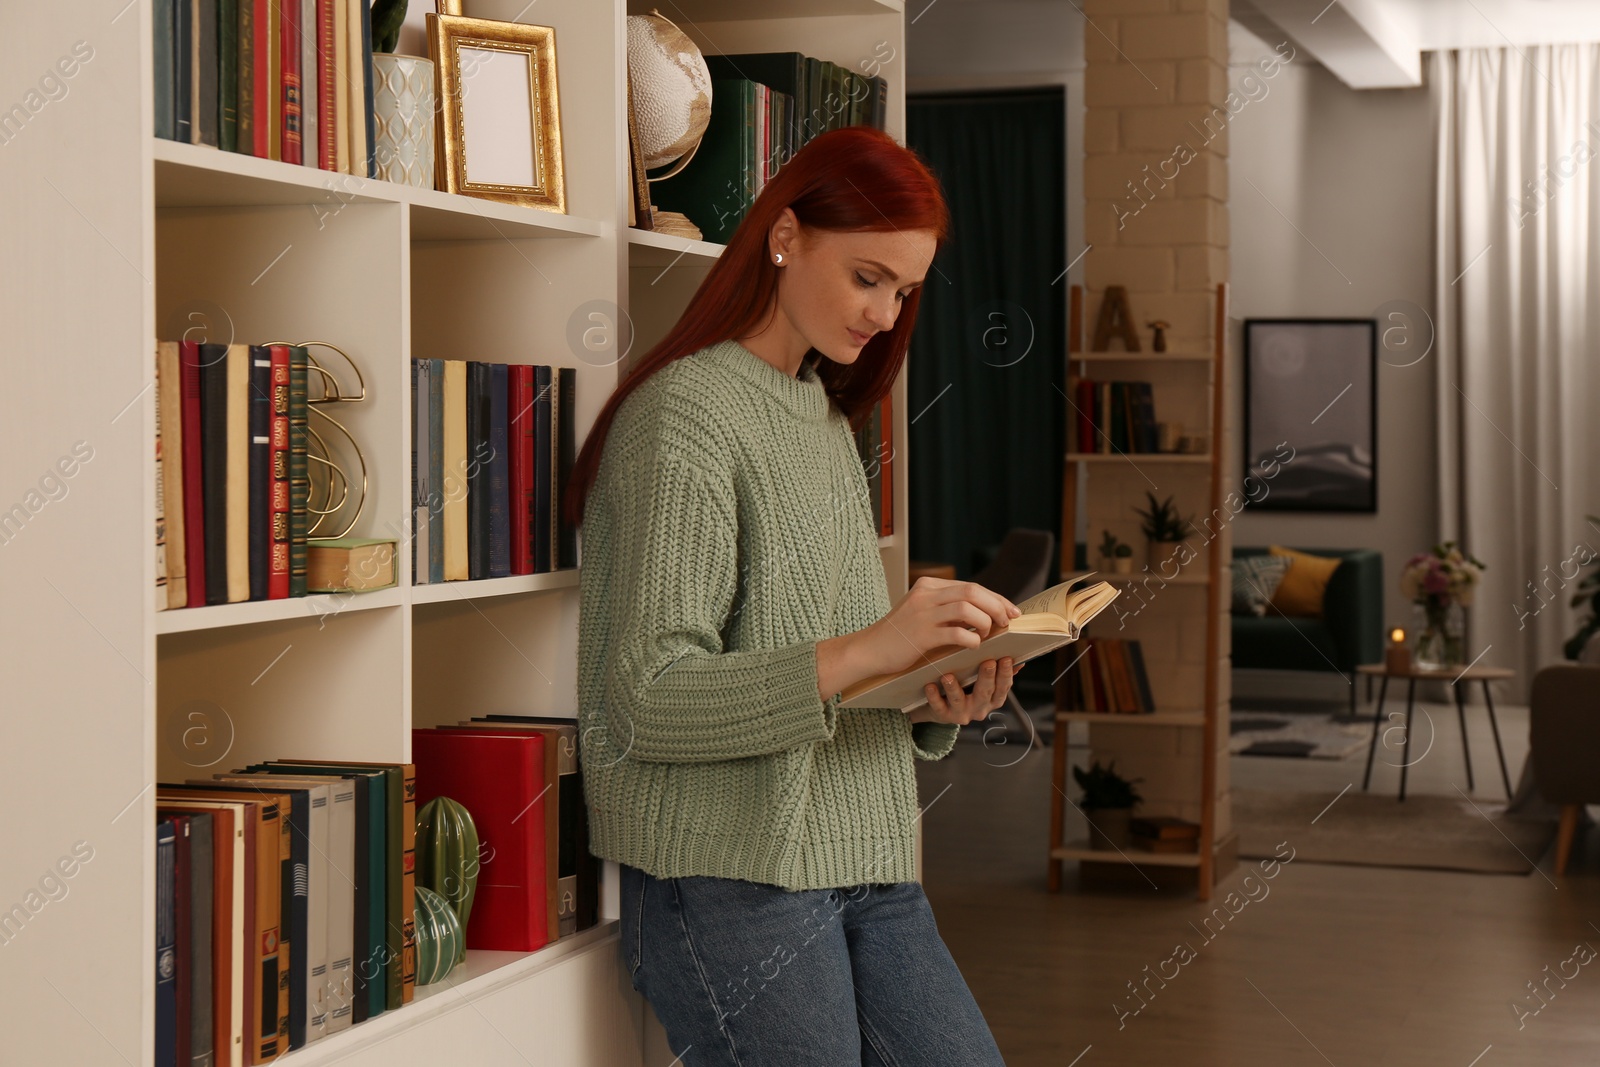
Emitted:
<point x="1080" y="850"/>
<point x="1158" y="718"/>
<point x="1140" y="457"/>
<point x="188" y="175"/>
<point x="245" y="613"/>
<point x="646" y="248"/>
<point x="481" y="974"/>
<point x="449" y="592"/>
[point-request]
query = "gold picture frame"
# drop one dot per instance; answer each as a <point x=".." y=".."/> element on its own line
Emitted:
<point x="495" y="142"/>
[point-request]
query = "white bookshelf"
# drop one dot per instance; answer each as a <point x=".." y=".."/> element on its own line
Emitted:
<point x="114" y="239"/>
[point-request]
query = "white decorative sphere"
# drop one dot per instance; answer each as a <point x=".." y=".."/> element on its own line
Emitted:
<point x="671" y="89"/>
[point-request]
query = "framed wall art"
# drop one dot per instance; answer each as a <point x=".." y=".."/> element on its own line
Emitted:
<point x="499" y="124"/>
<point x="1310" y="394"/>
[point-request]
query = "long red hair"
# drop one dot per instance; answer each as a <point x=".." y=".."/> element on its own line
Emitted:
<point x="857" y="178"/>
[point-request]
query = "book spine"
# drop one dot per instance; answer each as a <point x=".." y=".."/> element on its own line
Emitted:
<point x="289" y="60"/>
<point x="368" y="118"/>
<point x="454" y="482"/>
<point x="194" y="525"/>
<point x="166" y="942"/>
<point x="206" y="98"/>
<point x="162" y="68"/>
<point x="263" y="88"/>
<point x="169" y="387"/>
<point x="568" y="377"/>
<point x="356" y="131"/>
<point x="436" y="500"/>
<point x="274" y="87"/>
<point x="327" y="90"/>
<point x="228" y="74"/>
<point x="245" y="76"/>
<point x="341" y="80"/>
<point x="521" y="406"/>
<point x="299" y="475"/>
<point x="260" y="470"/>
<point x="499" y="472"/>
<point x="477" y="475"/>
<point x="183" y="70"/>
<point x="408" y="874"/>
<point x="237" y="484"/>
<point x="551" y="458"/>
<point x="282" y="448"/>
<point x="419" y="472"/>
<point x="310" y="85"/>
<point x="214" y="462"/>
<point x="163" y="591"/>
<point x="541" y="468"/>
<point x="202" y="872"/>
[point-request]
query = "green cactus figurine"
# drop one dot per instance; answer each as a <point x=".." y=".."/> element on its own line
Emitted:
<point x="447" y="858"/>
<point x="441" y="944"/>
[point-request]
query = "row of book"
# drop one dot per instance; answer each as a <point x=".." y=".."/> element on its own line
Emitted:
<point x="764" y="107"/>
<point x="285" y="890"/>
<point x="1108" y="676"/>
<point x="231" y="472"/>
<point x="283" y="907"/>
<point x="875" y="445"/>
<point x="279" y="79"/>
<point x="1115" y="417"/>
<point x="492" y="451"/>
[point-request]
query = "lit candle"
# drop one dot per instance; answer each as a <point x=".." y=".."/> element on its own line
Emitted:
<point x="1397" y="660"/>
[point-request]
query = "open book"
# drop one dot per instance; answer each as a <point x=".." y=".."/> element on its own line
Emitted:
<point x="1049" y="620"/>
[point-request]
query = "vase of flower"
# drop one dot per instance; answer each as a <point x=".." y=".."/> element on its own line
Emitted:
<point x="1441" y="583"/>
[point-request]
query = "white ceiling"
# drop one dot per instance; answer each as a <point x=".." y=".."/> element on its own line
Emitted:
<point x="1377" y="44"/>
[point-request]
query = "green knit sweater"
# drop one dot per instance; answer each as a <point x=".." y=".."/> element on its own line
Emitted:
<point x="728" y="532"/>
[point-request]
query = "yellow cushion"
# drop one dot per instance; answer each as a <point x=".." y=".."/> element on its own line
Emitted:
<point x="1303" y="587"/>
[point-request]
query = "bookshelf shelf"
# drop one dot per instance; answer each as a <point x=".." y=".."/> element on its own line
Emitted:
<point x="646" y="248"/>
<point x="1158" y="718"/>
<point x="449" y="592"/>
<point x="122" y="239"/>
<point x="1183" y="639"/>
<point x="1080" y="850"/>
<point x="316" y="607"/>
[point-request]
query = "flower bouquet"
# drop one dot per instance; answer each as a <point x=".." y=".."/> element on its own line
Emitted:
<point x="1441" y="584"/>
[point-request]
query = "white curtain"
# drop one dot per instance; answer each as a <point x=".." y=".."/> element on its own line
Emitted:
<point x="1518" y="331"/>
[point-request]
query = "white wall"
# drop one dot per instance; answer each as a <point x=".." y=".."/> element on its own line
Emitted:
<point x="1330" y="203"/>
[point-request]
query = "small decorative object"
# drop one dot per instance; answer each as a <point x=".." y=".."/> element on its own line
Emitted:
<point x="1397" y="658"/>
<point x="402" y="109"/>
<point x="1441" y="584"/>
<point x="1168" y="434"/>
<point x="1116" y="555"/>
<point x="640" y="213"/>
<point x="447" y="856"/>
<point x="1116" y="320"/>
<point x="669" y="88"/>
<point x="1158" y="343"/>
<point x="499" y="125"/>
<point x="1311" y="385"/>
<point x="1164" y="529"/>
<point x="1108" y="802"/>
<point x="441" y="944"/>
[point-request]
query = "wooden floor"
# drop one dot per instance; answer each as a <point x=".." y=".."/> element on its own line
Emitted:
<point x="1333" y="965"/>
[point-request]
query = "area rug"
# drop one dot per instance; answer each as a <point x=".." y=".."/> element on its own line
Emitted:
<point x="1295" y="736"/>
<point x="1376" y="830"/>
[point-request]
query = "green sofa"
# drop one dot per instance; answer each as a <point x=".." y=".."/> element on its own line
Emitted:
<point x="1349" y="633"/>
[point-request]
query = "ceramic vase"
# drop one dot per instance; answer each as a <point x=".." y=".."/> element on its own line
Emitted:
<point x="447" y="857"/>
<point x="1441" y="641"/>
<point x="402" y="107"/>
<point x="440" y="940"/>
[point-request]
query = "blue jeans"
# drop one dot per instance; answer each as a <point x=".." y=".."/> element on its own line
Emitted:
<point x="749" y="975"/>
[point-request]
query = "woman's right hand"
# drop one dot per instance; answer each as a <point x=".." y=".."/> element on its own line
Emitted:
<point x="934" y="613"/>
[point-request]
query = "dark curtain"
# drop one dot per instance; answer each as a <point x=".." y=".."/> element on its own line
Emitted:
<point x="987" y="374"/>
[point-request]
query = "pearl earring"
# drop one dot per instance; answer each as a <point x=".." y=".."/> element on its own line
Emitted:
<point x="778" y="259"/>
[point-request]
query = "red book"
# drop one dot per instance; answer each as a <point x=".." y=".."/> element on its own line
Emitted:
<point x="278" y="489"/>
<point x="499" y="778"/>
<point x="194" y="515"/>
<point x="1085" y="420"/>
<point x="290" y="51"/>
<point x="520" y="396"/>
<point x="260" y="103"/>
<point x="327" y="88"/>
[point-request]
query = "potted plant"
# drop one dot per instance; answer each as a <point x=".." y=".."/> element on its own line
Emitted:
<point x="1587" y="592"/>
<point x="1164" y="529"/>
<point x="1116" y="555"/>
<point x="1108" y="802"/>
<point x="402" y="102"/>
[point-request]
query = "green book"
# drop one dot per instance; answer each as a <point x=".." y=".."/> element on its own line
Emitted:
<point x="244" y="64"/>
<point x="299" y="472"/>
<point x="228" y="74"/>
<point x="718" y="186"/>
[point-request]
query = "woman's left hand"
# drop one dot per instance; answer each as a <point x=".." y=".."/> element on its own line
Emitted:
<point x="948" y="702"/>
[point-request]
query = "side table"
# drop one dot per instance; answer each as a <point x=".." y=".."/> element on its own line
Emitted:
<point x="1456" y="678"/>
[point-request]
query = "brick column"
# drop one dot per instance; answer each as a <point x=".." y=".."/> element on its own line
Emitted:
<point x="1156" y="217"/>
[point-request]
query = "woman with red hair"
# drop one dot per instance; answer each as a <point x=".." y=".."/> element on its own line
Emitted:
<point x="731" y="588"/>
